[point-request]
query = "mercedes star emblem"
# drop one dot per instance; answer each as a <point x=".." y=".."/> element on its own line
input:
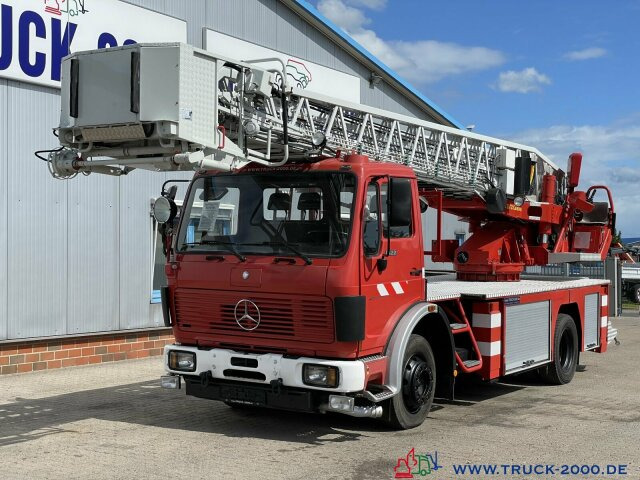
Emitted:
<point x="245" y="275"/>
<point x="247" y="315"/>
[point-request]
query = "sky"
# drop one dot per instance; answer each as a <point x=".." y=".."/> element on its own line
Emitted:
<point x="561" y="76"/>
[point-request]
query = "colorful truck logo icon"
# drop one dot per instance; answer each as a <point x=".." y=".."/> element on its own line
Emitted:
<point x="71" y="7"/>
<point x="298" y="74"/>
<point x="413" y="465"/>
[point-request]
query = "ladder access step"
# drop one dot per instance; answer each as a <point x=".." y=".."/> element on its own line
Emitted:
<point x="471" y="363"/>
<point x="383" y="394"/>
<point x="463" y="353"/>
<point x="457" y="326"/>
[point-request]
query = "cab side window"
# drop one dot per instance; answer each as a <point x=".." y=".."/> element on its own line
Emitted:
<point x="404" y="231"/>
<point x="371" y="231"/>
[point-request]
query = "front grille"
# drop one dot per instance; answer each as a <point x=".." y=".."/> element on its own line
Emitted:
<point x="296" y="317"/>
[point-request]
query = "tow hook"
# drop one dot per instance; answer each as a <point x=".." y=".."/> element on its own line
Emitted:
<point x="204" y="379"/>
<point x="276" y="386"/>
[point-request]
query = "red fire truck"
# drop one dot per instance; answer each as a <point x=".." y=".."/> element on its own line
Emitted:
<point x="295" y="266"/>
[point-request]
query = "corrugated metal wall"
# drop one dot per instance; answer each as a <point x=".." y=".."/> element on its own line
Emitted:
<point x="451" y="227"/>
<point x="4" y="206"/>
<point x="37" y="218"/>
<point x="273" y="25"/>
<point x="76" y="256"/>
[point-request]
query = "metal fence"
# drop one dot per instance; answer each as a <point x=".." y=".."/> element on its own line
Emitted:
<point x="587" y="269"/>
<point x="610" y="270"/>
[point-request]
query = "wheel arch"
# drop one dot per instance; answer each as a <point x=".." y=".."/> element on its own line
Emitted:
<point x="429" y="321"/>
<point x="573" y="311"/>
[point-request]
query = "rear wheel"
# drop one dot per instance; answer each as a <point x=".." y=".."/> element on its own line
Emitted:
<point x="565" y="350"/>
<point x="635" y="293"/>
<point x="411" y="405"/>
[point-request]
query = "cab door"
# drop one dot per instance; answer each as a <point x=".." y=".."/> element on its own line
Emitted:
<point x="392" y="257"/>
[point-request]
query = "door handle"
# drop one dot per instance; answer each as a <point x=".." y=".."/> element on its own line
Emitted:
<point x="416" y="272"/>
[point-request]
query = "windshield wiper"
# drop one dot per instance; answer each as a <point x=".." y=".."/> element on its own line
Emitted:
<point x="231" y="246"/>
<point x="285" y="244"/>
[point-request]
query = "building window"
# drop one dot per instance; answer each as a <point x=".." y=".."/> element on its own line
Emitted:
<point x="460" y="237"/>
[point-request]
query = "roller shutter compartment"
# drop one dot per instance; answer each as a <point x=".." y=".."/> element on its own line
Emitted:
<point x="591" y="321"/>
<point x="527" y="338"/>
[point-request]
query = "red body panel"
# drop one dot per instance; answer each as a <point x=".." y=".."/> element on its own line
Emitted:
<point x="494" y="366"/>
<point x="220" y="282"/>
<point x="297" y="299"/>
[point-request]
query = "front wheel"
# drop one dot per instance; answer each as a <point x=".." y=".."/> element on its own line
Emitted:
<point x="411" y="405"/>
<point x="565" y="352"/>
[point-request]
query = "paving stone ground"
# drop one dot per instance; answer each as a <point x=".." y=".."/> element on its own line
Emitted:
<point x="113" y="421"/>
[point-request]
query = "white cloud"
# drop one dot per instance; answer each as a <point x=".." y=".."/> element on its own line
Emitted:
<point x="524" y="81"/>
<point x="421" y="62"/>
<point x="372" y="4"/>
<point x="347" y="18"/>
<point x="611" y="155"/>
<point x="586" y="54"/>
<point x="427" y="61"/>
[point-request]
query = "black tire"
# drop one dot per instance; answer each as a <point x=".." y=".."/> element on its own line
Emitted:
<point x="410" y="407"/>
<point x="565" y="352"/>
<point x="635" y="293"/>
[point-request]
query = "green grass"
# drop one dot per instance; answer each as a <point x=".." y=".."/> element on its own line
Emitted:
<point x="630" y="305"/>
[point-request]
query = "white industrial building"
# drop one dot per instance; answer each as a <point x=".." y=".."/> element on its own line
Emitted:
<point x="78" y="256"/>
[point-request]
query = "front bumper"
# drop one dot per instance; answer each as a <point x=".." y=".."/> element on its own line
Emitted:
<point x="263" y="369"/>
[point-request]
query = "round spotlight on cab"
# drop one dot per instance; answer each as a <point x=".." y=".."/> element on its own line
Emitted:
<point x="518" y="201"/>
<point x="164" y="210"/>
<point x="318" y="139"/>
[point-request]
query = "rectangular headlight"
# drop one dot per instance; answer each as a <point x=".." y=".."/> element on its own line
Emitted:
<point x="182" y="361"/>
<point x="320" y="375"/>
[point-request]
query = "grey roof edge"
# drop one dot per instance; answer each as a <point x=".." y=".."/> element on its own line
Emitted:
<point x="309" y="12"/>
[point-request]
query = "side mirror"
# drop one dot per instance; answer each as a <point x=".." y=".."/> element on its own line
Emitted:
<point x="424" y="205"/>
<point x="173" y="190"/>
<point x="400" y="199"/>
<point x="164" y="210"/>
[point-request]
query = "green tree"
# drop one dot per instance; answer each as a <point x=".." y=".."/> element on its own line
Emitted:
<point x="617" y="237"/>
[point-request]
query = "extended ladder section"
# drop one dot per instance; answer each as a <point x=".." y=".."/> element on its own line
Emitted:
<point x="456" y="161"/>
<point x="173" y="107"/>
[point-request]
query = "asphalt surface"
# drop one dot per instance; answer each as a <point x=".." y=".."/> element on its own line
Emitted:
<point x="114" y="421"/>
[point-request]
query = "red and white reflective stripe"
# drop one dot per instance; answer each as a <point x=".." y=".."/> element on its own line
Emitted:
<point x="388" y="289"/>
<point x="489" y="349"/>
<point x="486" y="323"/>
<point x="487" y="320"/>
<point x="397" y="288"/>
<point x="604" y="311"/>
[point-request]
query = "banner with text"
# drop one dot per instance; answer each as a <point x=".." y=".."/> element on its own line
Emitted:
<point x="36" y="34"/>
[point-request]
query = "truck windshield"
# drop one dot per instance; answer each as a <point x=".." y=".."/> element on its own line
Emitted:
<point x="286" y="214"/>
